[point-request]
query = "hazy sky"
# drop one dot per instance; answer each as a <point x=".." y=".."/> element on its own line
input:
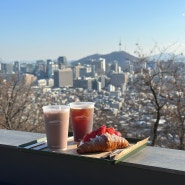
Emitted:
<point x="47" y="29"/>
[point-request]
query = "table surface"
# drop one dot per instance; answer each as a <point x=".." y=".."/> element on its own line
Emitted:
<point x="162" y="159"/>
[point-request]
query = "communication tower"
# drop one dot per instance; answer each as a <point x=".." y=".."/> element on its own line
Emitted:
<point x="120" y="45"/>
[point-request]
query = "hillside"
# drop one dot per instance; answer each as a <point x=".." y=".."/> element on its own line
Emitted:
<point x="120" y="56"/>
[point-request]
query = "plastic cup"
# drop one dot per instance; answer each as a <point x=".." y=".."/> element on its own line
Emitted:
<point x="56" y="119"/>
<point x="81" y="116"/>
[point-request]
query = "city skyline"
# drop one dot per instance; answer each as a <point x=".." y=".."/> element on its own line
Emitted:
<point x="33" y="30"/>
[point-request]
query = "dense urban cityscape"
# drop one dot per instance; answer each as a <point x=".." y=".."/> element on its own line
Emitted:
<point x="125" y="59"/>
<point x="107" y="82"/>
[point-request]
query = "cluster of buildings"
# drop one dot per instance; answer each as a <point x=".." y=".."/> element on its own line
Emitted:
<point x="97" y="81"/>
<point x="96" y="75"/>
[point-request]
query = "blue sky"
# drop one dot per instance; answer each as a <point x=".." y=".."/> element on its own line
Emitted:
<point x="47" y="29"/>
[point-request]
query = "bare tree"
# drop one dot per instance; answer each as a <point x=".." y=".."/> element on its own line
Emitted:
<point x="177" y="101"/>
<point x="18" y="109"/>
<point x="153" y="83"/>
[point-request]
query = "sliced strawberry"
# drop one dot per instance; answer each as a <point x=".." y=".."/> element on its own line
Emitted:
<point x="117" y="133"/>
<point x="87" y="138"/>
<point x="110" y="130"/>
<point x="101" y="130"/>
<point x="93" y="134"/>
<point x="98" y="132"/>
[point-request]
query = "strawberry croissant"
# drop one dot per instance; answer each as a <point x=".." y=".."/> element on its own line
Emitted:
<point x="103" y="143"/>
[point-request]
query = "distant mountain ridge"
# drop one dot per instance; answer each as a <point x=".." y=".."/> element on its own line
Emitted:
<point x="168" y="56"/>
<point x="120" y="56"/>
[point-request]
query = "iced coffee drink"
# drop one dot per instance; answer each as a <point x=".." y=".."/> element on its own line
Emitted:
<point x="81" y="115"/>
<point x="56" y="124"/>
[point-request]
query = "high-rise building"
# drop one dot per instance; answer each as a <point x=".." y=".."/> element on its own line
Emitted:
<point x="50" y="68"/>
<point x="28" y="78"/>
<point x="117" y="79"/>
<point x="108" y="68"/>
<point x="17" y="67"/>
<point x="114" y="66"/>
<point x="76" y="71"/>
<point x="96" y="85"/>
<point x="100" y="66"/>
<point x="9" y="68"/>
<point x="28" y="68"/>
<point x="85" y="83"/>
<point x="63" y="77"/>
<point x="102" y="80"/>
<point x="49" y="71"/>
<point x="40" y="69"/>
<point x="86" y="71"/>
<point x="62" y="62"/>
<point x="3" y="68"/>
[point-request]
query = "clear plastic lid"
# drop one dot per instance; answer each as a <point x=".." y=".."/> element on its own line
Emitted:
<point x="81" y="105"/>
<point x="52" y="108"/>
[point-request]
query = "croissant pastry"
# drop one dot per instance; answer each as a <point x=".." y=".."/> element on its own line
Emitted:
<point x="103" y="143"/>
